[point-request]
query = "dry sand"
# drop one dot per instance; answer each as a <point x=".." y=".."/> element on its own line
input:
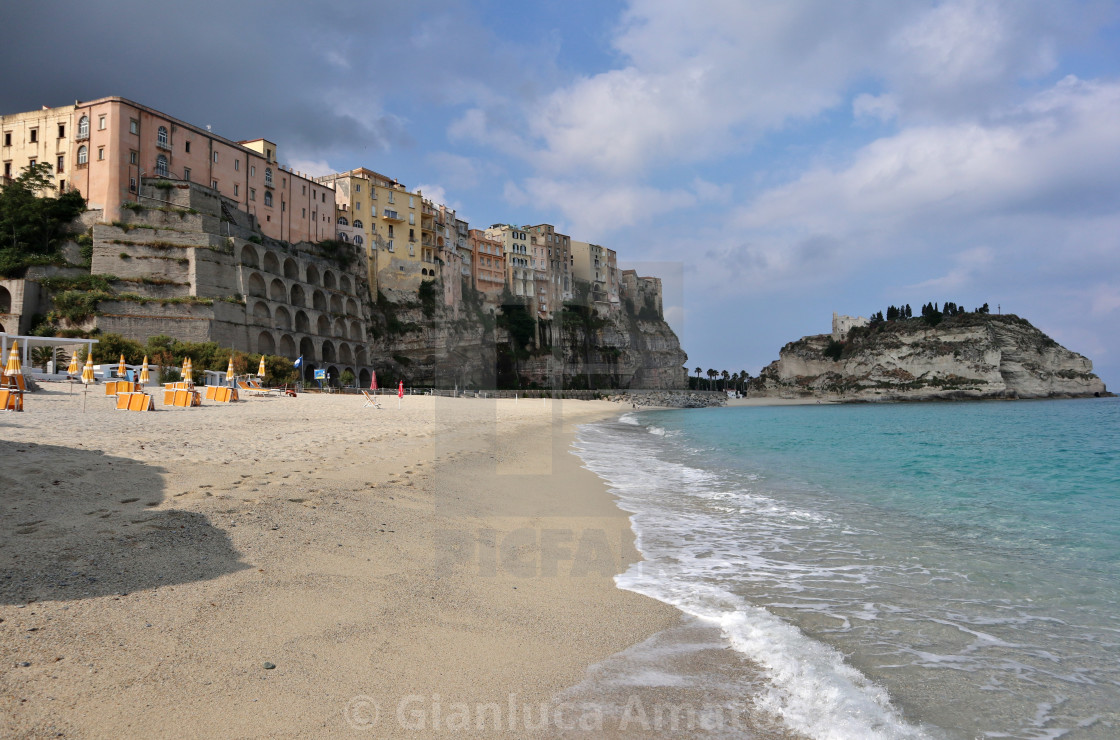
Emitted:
<point x="383" y="560"/>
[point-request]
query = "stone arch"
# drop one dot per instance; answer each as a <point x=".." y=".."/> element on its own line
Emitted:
<point x="332" y="373"/>
<point x="344" y="284"/>
<point x="328" y="280"/>
<point x="283" y="319"/>
<point x="328" y="351"/>
<point x="364" y="378"/>
<point x="291" y="269"/>
<point x="360" y="357"/>
<point x="261" y="313"/>
<point x="287" y="346"/>
<point x="303" y="324"/>
<point x="249" y="257"/>
<point x="323" y="326"/>
<point x="312" y="274"/>
<point x="351" y="307"/>
<point x="5" y="301"/>
<point x="271" y="263"/>
<point x="336" y="303"/>
<point x="339" y="328"/>
<point x="307" y="351"/>
<point x="356" y="331"/>
<point x="277" y="291"/>
<point x="256" y="286"/>
<point x="318" y="301"/>
<point x="297" y="297"/>
<point x="266" y="344"/>
<point x="345" y="356"/>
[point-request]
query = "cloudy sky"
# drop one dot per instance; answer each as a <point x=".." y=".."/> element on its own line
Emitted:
<point x="775" y="161"/>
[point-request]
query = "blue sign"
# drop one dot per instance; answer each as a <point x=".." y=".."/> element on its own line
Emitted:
<point x="320" y="375"/>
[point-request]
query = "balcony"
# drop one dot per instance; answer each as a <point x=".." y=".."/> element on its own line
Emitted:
<point x="166" y="146"/>
<point x="391" y="215"/>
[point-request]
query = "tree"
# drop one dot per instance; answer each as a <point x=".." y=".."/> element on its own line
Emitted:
<point x="726" y="376"/>
<point x="33" y="222"/>
<point x="711" y="378"/>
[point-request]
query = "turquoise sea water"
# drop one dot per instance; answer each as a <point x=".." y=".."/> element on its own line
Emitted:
<point x="910" y="570"/>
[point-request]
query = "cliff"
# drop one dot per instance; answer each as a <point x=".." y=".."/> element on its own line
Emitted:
<point x="968" y="356"/>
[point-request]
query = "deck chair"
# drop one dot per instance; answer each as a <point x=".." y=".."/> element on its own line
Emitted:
<point x="11" y="400"/>
<point x="370" y="401"/>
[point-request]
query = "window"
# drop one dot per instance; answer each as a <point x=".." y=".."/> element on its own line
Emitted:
<point x="358" y="239"/>
<point x="252" y="193"/>
<point x="268" y="154"/>
<point x="391" y="247"/>
<point x="411" y="202"/>
<point x="323" y="196"/>
<point x="7" y="138"/>
<point x="252" y="170"/>
<point x="237" y="164"/>
<point x="100" y="154"/>
<point x="161" y="136"/>
<point x="134" y="157"/>
<point x="216" y="160"/>
<point x="62" y="130"/>
<point x="133" y="125"/>
<point x="268" y="198"/>
<point x="214" y="184"/>
<point x="357" y="187"/>
<point x="390" y="196"/>
<point x="412" y="219"/>
<point x="358" y="207"/>
<point x="187" y="174"/>
<point x="83" y="155"/>
<point x="34" y="135"/>
<point x="62" y="186"/>
<point x="303" y="190"/>
<point x="283" y="206"/>
<point x="61" y="167"/>
<point x="357" y="224"/>
<point x="101" y="123"/>
<point x="132" y="184"/>
<point x="161" y="165"/>
<point x="187" y="147"/>
<point x="304" y="213"/>
<point x="268" y="176"/>
<point x="236" y="190"/>
<point x="390" y="231"/>
<point x="412" y="235"/>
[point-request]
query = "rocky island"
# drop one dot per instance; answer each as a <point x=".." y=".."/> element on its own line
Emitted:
<point x="966" y="355"/>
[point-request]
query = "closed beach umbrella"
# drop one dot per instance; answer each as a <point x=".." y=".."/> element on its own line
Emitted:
<point x="400" y="389"/>
<point x="188" y="371"/>
<point x="87" y="371"/>
<point x="144" y="377"/>
<point x="73" y="369"/>
<point x="13" y="366"/>
<point x="229" y="370"/>
<point x="373" y="381"/>
<point x="260" y="370"/>
<point x="121" y="368"/>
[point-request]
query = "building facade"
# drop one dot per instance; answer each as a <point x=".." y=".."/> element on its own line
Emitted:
<point x="107" y="148"/>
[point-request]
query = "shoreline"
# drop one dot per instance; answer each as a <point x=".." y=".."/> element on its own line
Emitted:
<point x="455" y="550"/>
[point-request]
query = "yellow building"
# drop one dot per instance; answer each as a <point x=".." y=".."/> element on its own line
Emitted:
<point x="597" y="266"/>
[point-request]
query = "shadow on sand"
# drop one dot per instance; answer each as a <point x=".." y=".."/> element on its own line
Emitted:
<point x="79" y="523"/>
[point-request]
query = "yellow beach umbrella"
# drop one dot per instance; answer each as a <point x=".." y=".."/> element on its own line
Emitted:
<point x="229" y="370"/>
<point x="144" y="377"/>
<point x="13" y="367"/>
<point x="87" y="371"/>
<point x="260" y="370"/>
<point x="188" y="371"/>
<point x="73" y="369"/>
<point x="121" y="370"/>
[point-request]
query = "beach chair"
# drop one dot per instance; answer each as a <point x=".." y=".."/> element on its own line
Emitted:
<point x="14" y="383"/>
<point x="371" y="402"/>
<point x="11" y="399"/>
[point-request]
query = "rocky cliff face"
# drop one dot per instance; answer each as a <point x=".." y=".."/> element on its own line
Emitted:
<point x="966" y="356"/>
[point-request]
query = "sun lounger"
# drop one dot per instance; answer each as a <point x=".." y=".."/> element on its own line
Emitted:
<point x="370" y="401"/>
<point x="13" y="382"/>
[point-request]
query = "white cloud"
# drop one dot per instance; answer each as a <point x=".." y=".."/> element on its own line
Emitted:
<point x="311" y="167"/>
<point x="881" y="107"/>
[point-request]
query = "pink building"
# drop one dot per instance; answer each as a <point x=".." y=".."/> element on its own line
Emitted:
<point x="105" y="148"/>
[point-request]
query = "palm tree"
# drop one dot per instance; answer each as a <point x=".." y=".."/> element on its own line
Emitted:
<point x="711" y="377"/>
<point x="726" y="377"/>
<point x="698" y="371"/>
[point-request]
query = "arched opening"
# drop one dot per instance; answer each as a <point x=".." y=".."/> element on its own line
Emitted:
<point x="287" y="347"/>
<point x="328" y="280"/>
<point x="328" y="351"/>
<point x="345" y="356"/>
<point x="271" y="263"/>
<point x="261" y="314"/>
<point x="360" y="356"/>
<point x="357" y="224"/>
<point x="161" y="136"/>
<point x="359" y="240"/>
<point x="344" y="284"/>
<point x="83" y="127"/>
<point x="364" y="378"/>
<point x="332" y="373"/>
<point x="342" y="221"/>
<point x="339" y="328"/>
<point x="277" y="290"/>
<point x="283" y="319"/>
<point x="249" y="257"/>
<point x="307" y="350"/>
<point x="161" y="166"/>
<point x="323" y="327"/>
<point x="266" y="345"/>
<point x="319" y="301"/>
<point x="297" y="298"/>
<point x="336" y="303"/>
<point x="256" y="286"/>
<point x="291" y="269"/>
<point x="312" y="275"/>
<point x="303" y="324"/>
<point x="5" y="302"/>
<point x="355" y="331"/>
<point x="351" y="307"/>
<point x="268" y="176"/>
<point x="268" y="197"/>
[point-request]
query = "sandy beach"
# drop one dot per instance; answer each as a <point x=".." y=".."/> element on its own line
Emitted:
<point x="389" y="563"/>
